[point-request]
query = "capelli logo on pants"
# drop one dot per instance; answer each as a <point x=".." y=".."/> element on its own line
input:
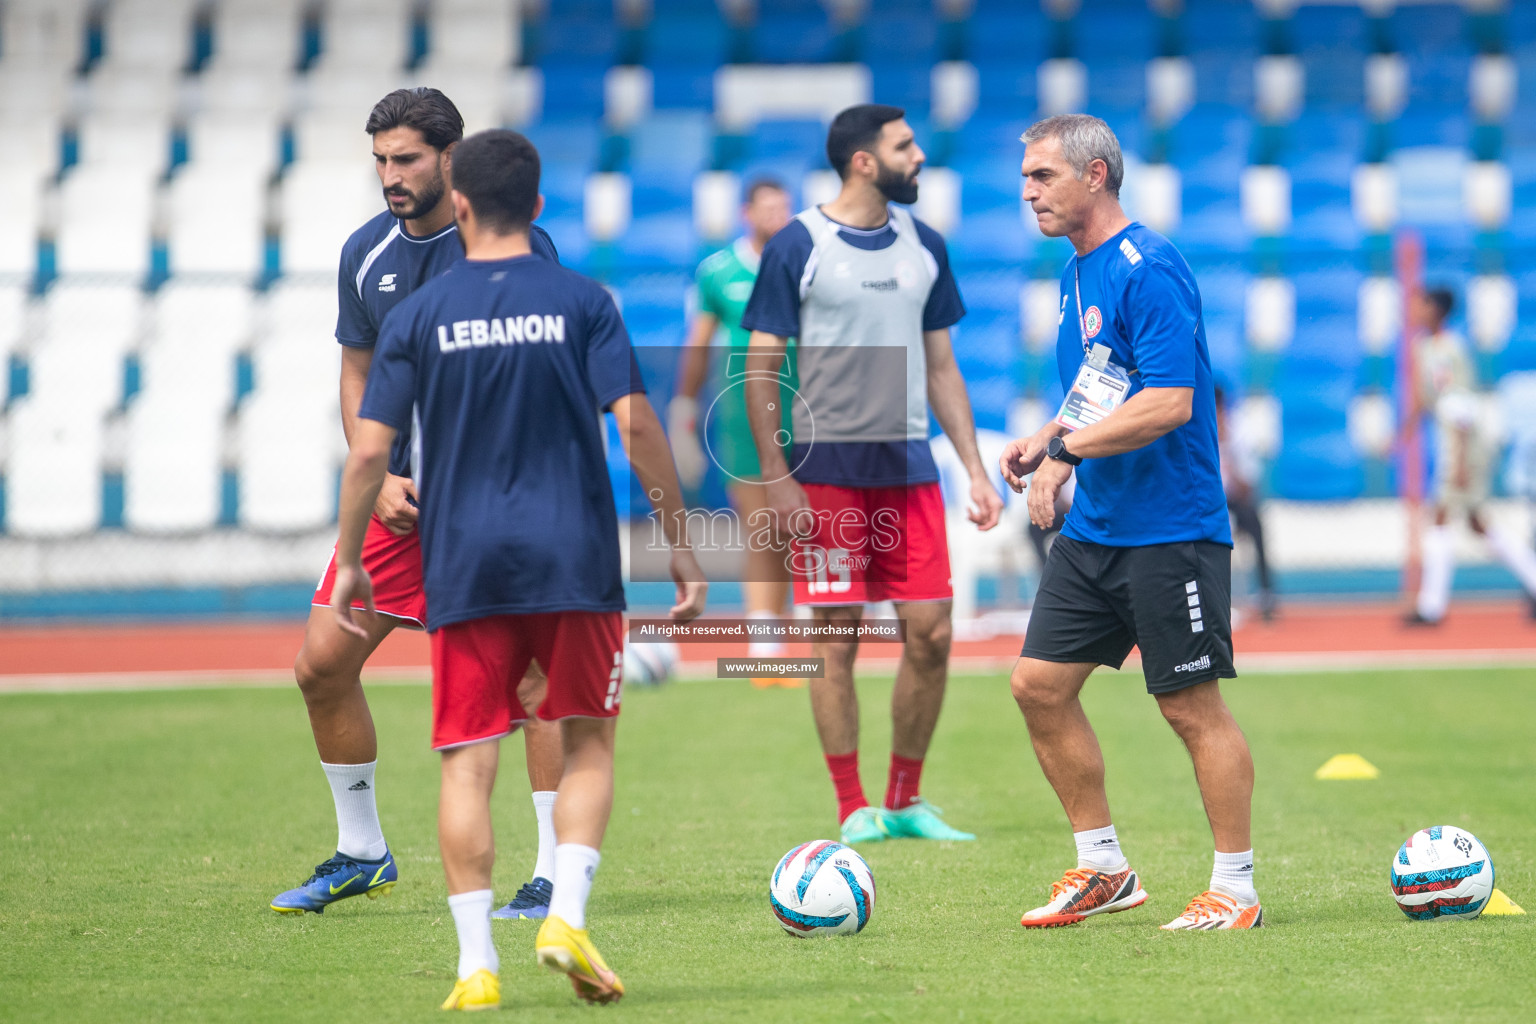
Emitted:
<point x="1194" y="666"/>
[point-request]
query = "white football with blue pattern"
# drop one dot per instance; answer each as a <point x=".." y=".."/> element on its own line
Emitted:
<point x="1442" y="872"/>
<point x="822" y="888"/>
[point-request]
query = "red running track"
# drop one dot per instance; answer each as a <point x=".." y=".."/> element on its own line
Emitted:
<point x="1303" y="636"/>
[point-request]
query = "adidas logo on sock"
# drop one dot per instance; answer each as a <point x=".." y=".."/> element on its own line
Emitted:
<point x="359" y="784"/>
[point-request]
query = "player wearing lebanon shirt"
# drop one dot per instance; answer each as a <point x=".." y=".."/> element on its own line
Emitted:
<point x="866" y="291"/>
<point x="414" y="132"/>
<point x="507" y="360"/>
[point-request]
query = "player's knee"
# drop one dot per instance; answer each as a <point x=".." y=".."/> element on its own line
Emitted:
<point x="318" y="675"/>
<point x="1033" y="687"/>
<point x="929" y="644"/>
<point x="1189" y="711"/>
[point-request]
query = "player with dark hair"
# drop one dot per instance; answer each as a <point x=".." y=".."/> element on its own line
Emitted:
<point x="1239" y="479"/>
<point x="1464" y="456"/>
<point x="507" y="359"/>
<point x="1144" y="557"/>
<point x="415" y="133"/>
<point x="866" y="291"/>
<point x="722" y="286"/>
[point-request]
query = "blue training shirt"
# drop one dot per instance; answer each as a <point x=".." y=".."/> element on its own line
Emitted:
<point x="381" y="264"/>
<point x="775" y="308"/>
<point x="1139" y="297"/>
<point x="509" y="365"/>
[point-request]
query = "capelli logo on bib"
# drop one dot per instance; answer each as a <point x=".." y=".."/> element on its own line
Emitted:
<point x="1093" y="321"/>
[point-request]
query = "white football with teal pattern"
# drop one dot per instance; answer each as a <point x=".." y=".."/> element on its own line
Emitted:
<point x="822" y="888"/>
<point x="1442" y="872"/>
<point x="649" y="664"/>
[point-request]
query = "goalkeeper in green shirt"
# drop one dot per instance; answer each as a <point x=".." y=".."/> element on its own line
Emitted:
<point x="723" y="284"/>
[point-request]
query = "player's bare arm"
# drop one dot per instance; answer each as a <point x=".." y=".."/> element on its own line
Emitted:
<point x="683" y="410"/>
<point x="392" y="507"/>
<point x="367" y="466"/>
<point x="952" y="406"/>
<point x="645" y="443"/>
<point x="786" y="498"/>
<point x="1145" y="417"/>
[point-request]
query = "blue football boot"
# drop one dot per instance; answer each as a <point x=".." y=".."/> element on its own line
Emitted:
<point x="337" y="879"/>
<point x="530" y="904"/>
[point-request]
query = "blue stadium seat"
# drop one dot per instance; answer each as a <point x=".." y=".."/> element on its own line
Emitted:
<point x="1210" y="139"/>
<point x="1219" y="27"/>
<point x="902" y="37"/>
<point x="668" y="148"/>
<point x="1006" y="89"/>
<point x="686" y="37"/>
<point x="1116" y="80"/>
<point x="573" y="91"/>
<point x="1430" y="29"/>
<point x="1341" y="29"/>
<point x="1335" y="75"/>
<point x="683" y="84"/>
<point x="1321" y="214"/>
<point x="908" y="85"/>
<point x="1522" y="172"/>
<point x="1327" y="131"/>
<point x="568" y="140"/>
<point x="1438" y="79"/>
<point x="1009" y="34"/>
<point x="793" y="37"/>
<point x="660" y="240"/>
<point x="574" y="36"/>
<point x="1126" y="123"/>
<point x="1317" y="461"/>
<point x="987" y="237"/>
<point x="568" y="234"/>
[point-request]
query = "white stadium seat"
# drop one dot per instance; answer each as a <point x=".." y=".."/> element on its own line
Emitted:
<point x="171" y="468"/>
<point x="147" y="33"/>
<point x="321" y="204"/>
<point x="13" y="322"/>
<point x="131" y="91"/>
<point x="78" y="362"/>
<point x="1266" y="199"/>
<point x="303" y="371"/>
<point x="52" y="32"/>
<point x="294" y="309"/>
<point x="137" y="145"/>
<point x="255" y="35"/>
<point x="217" y="220"/>
<point x="240" y="95"/>
<point x="332" y="136"/>
<point x="189" y="375"/>
<point x="249" y="141"/>
<point x="206" y="316"/>
<point x="485" y="39"/>
<point x="104" y="221"/>
<point x="288" y="463"/>
<point x="375" y="36"/>
<point x="53" y="478"/>
<point x="18" y="242"/>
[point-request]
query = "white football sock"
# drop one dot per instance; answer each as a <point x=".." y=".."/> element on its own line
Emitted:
<point x="1099" y="848"/>
<point x="472" y="920"/>
<point x="1233" y="875"/>
<point x="544" y="811"/>
<point x="763" y="648"/>
<point x="1517" y="558"/>
<point x="1439" y="566"/>
<point x="574" y="867"/>
<point x="357" y="816"/>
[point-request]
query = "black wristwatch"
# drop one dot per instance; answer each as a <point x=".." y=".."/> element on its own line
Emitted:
<point x="1056" y="449"/>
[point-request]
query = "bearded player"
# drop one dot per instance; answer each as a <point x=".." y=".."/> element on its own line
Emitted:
<point x="414" y="132"/>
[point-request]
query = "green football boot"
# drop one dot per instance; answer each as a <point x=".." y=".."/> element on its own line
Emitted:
<point x="865" y="825"/>
<point x="920" y="820"/>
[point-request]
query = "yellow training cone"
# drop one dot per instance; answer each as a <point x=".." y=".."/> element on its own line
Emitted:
<point x="1500" y="905"/>
<point x="1347" y="766"/>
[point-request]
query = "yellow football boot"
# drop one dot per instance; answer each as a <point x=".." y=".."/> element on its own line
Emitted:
<point x="570" y="952"/>
<point x="479" y="991"/>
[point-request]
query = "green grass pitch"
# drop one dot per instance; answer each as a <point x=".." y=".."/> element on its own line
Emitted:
<point x="142" y="835"/>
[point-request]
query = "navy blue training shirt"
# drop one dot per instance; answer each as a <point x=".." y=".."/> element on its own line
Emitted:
<point x="381" y="264"/>
<point x="1139" y="297"/>
<point x="775" y="308"/>
<point x="509" y="365"/>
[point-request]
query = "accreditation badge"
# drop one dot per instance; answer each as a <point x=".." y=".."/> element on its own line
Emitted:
<point x="1098" y="390"/>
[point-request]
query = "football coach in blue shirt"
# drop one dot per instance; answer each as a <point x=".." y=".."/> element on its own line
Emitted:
<point x="1144" y="557"/>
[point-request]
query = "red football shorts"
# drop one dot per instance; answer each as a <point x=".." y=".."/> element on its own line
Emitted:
<point x="477" y="665"/>
<point x="394" y="565"/>
<point x="873" y="544"/>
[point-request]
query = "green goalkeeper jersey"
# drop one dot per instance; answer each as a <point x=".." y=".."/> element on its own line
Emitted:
<point x="723" y="284"/>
